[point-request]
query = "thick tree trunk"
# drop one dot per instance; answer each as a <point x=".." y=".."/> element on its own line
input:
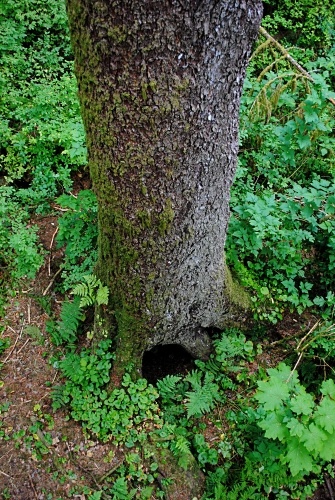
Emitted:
<point x="159" y="85"/>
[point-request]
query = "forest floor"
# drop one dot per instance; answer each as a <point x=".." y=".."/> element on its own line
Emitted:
<point x="43" y="455"/>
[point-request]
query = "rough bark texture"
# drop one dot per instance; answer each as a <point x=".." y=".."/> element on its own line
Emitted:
<point x="159" y="85"/>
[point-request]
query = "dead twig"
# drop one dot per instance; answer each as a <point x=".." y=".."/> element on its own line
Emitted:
<point x="24" y="345"/>
<point x="11" y="352"/>
<point x="4" y="473"/>
<point x="51" y="282"/>
<point x="33" y="486"/>
<point x="113" y="469"/>
<point x="28" y="312"/>
<point x="50" y="248"/>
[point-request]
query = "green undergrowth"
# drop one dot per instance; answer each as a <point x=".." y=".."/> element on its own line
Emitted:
<point x="77" y="234"/>
<point x="280" y="242"/>
<point x="42" y="142"/>
<point x="255" y="433"/>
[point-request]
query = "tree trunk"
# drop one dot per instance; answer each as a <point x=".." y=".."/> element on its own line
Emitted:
<point x="159" y="86"/>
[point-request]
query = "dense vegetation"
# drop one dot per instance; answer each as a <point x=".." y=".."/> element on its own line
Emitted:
<point x="274" y="429"/>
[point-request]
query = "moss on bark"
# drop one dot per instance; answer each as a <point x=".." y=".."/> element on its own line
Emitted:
<point x="159" y="87"/>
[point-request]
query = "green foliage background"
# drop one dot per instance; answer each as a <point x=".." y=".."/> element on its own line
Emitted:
<point x="280" y="246"/>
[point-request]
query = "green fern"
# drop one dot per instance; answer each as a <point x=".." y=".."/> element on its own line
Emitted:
<point x="91" y="291"/>
<point x="181" y="449"/>
<point x="70" y="317"/>
<point x="70" y="366"/>
<point x="182" y="445"/>
<point x="58" y="396"/>
<point x="243" y="492"/>
<point x="65" y="330"/>
<point x="102" y="295"/>
<point x="212" y="365"/>
<point x="167" y="387"/>
<point x="204" y="395"/>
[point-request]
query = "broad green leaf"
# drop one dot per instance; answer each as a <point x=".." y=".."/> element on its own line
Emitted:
<point x="328" y="448"/>
<point x="298" y="458"/>
<point x="296" y="427"/>
<point x="313" y="438"/>
<point x="328" y="388"/>
<point x="274" y="426"/>
<point x="272" y="393"/>
<point x="303" y="141"/>
<point x="325" y="415"/>
<point x="302" y="403"/>
<point x="283" y="372"/>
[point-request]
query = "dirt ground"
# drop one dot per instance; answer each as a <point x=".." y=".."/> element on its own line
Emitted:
<point x="54" y="459"/>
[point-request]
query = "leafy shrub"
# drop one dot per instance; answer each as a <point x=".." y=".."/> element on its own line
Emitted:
<point x="284" y="242"/>
<point x="280" y="235"/>
<point x="78" y="234"/>
<point x="21" y="255"/>
<point x="305" y="24"/>
<point x="289" y="414"/>
<point x="42" y="136"/>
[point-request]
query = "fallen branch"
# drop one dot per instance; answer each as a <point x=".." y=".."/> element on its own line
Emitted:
<point x="12" y="350"/>
<point x="285" y="53"/>
<point x="51" y="282"/>
<point x="50" y="248"/>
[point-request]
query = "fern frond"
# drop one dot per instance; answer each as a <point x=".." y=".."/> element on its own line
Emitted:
<point x="203" y="398"/>
<point x="72" y="369"/>
<point x="182" y="445"/>
<point x="194" y="378"/>
<point x="91" y="291"/>
<point x="167" y="386"/>
<point x="102" y="295"/>
<point x="70" y="317"/>
<point x="181" y="449"/>
<point x="59" y="399"/>
<point x="83" y="290"/>
<point x="213" y="366"/>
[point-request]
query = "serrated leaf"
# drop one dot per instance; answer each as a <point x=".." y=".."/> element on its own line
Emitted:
<point x="298" y="458"/>
<point x="325" y="415"/>
<point x="272" y="393"/>
<point x="328" y="388"/>
<point x="274" y="426"/>
<point x="296" y="427"/>
<point x="313" y="438"/>
<point x="303" y="141"/>
<point x="284" y="373"/>
<point x="327" y="452"/>
<point x="302" y="404"/>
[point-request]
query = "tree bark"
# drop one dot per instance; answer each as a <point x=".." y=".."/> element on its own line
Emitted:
<point x="159" y="86"/>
